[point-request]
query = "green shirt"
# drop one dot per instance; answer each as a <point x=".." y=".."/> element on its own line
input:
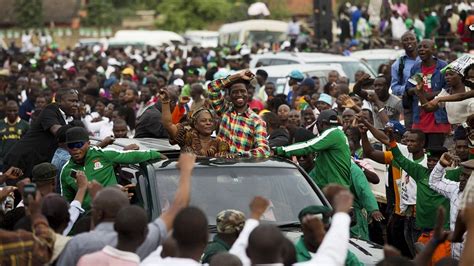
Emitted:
<point x="216" y="246"/>
<point x="427" y="200"/>
<point x="99" y="166"/>
<point x="431" y="22"/>
<point x="10" y="134"/>
<point x="364" y="199"/>
<point x="333" y="157"/>
<point x="302" y="254"/>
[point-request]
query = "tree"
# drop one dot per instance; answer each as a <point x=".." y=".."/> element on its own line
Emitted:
<point x="29" y="13"/>
<point x="101" y="13"/>
<point x="181" y="15"/>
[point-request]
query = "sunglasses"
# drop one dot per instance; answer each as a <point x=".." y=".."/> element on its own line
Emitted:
<point x="76" y="145"/>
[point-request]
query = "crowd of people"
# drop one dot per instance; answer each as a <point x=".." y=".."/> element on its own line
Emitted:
<point x="63" y="201"/>
<point x="363" y="26"/>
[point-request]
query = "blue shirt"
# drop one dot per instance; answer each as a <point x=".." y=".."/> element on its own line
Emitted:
<point x="397" y="85"/>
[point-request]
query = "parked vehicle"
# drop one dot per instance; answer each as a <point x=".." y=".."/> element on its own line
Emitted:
<point x="220" y="184"/>
<point x="279" y="74"/>
<point x="253" y="31"/>
<point x="202" y="38"/>
<point x="146" y="37"/>
<point x="350" y="65"/>
<point x="376" y="57"/>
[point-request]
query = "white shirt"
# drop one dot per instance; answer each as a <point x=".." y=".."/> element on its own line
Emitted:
<point x="332" y="251"/>
<point x="155" y="259"/>
<point x="458" y="112"/>
<point x="293" y="28"/>
<point x="398" y="27"/>
<point x="450" y="190"/>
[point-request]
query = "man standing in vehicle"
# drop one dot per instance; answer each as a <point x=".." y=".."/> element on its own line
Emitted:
<point x="240" y="127"/>
<point x="96" y="163"/>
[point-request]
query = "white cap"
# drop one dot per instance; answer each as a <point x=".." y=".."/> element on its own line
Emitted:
<point x="178" y="72"/>
<point x="178" y="82"/>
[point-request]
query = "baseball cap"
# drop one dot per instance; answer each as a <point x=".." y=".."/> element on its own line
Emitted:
<point x="328" y="116"/>
<point x="128" y="71"/>
<point x="313" y="210"/>
<point x="43" y="172"/>
<point x="178" y="82"/>
<point x="76" y="134"/>
<point x="436" y="151"/>
<point x="230" y="221"/>
<point x="397" y="126"/>
<point x="296" y="74"/>
<point x="178" y="72"/>
<point x="326" y="98"/>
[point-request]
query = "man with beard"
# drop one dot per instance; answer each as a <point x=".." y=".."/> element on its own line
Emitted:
<point x="240" y="127"/>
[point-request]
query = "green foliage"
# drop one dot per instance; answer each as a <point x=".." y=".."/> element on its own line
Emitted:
<point x="278" y="9"/>
<point x="101" y="13"/>
<point x="181" y="15"/>
<point x="29" y="13"/>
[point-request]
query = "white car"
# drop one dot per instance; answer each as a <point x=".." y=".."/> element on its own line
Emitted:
<point x="350" y="65"/>
<point x="376" y="57"/>
<point x="279" y="74"/>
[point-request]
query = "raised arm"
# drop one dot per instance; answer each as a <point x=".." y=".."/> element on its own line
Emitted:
<point x="438" y="182"/>
<point x="182" y="196"/>
<point x="166" y="117"/>
<point x="324" y="141"/>
<point x="413" y="169"/>
<point x="216" y="88"/>
<point x="369" y="151"/>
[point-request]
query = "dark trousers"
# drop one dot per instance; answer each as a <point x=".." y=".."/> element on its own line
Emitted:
<point x="396" y="236"/>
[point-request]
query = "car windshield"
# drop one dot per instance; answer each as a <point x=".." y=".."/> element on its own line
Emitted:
<point x="219" y="188"/>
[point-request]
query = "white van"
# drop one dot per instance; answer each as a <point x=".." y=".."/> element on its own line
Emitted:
<point x="146" y="37"/>
<point x="202" y="38"/>
<point x="253" y="31"/>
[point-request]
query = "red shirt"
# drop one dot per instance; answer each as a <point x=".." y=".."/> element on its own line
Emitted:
<point x="427" y="121"/>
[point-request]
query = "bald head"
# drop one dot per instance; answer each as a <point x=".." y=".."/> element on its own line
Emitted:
<point x="107" y="204"/>
<point x="265" y="245"/>
<point x="131" y="225"/>
<point x="225" y="258"/>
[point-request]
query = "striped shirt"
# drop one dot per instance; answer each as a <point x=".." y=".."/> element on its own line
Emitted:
<point x="246" y="132"/>
<point x="26" y="248"/>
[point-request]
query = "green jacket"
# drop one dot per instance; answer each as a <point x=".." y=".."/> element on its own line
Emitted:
<point x="302" y="254"/>
<point x="216" y="246"/>
<point x="333" y="159"/>
<point x="364" y="199"/>
<point x="99" y="166"/>
<point x="427" y="200"/>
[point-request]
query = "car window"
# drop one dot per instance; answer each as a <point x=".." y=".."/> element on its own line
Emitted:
<point x="276" y="62"/>
<point x="221" y="188"/>
<point x="264" y="62"/>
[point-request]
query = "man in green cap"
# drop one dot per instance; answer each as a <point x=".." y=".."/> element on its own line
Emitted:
<point x="308" y="245"/>
<point x="229" y="224"/>
<point x="97" y="164"/>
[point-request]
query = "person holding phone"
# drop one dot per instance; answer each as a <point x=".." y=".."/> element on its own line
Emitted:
<point x="97" y="164"/>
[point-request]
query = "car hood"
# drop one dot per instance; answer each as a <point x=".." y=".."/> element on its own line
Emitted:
<point x="367" y="252"/>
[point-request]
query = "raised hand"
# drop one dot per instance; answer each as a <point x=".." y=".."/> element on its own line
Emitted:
<point x="343" y="201"/>
<point x="13" y="173"/>
<point x="258" y="206"/>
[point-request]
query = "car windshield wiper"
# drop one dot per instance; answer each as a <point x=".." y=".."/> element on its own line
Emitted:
<point x="289" y="225"/>
<point x="212" y="228"/>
